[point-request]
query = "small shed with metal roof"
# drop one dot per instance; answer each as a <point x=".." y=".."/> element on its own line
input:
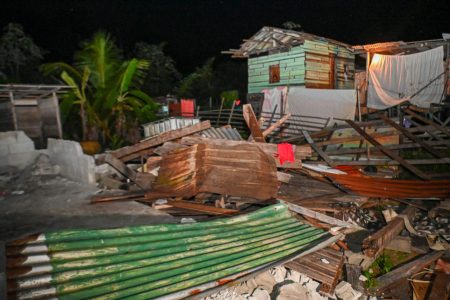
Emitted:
<point x="282" y="57"/>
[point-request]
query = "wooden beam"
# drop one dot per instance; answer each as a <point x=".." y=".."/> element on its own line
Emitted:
<point x="139" y="179"/>
<point x="252" y="123"/>
<point x="133" y="151"/>
<point x="405" y="271"/>
<point x="275" y="125"/>
<point x="374" y="244"/>
<point x="412" y="137"/>
<point x="387" y="162"/>
<point x="419" y="117"/>
<point x="318" y="149"/>
<point x="212" y="210"/>
<point x="388" y="152"/>
<point x="321" y="217"/>
<point x="343" y="140"/>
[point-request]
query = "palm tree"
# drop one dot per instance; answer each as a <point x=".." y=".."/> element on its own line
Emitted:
<point x="105" y="88"/>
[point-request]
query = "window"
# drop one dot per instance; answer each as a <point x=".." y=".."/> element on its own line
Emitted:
<point x="274" y="73"/>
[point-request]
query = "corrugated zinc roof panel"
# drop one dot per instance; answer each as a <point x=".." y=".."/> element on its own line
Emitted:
<point x="147" y="262"/>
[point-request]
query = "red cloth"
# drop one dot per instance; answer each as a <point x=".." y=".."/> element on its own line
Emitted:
<point x="187" y="108"/>
<point x="286" y="153"/>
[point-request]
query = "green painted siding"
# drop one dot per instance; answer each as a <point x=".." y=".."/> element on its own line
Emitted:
<point x="292" y="69"/>
<point x="305" y="64"/>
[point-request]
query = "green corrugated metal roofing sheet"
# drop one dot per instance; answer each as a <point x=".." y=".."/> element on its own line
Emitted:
<point x="147" y="262"/>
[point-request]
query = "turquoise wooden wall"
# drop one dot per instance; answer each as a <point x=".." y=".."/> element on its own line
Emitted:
<point x="292" y="69"/>
<point x="307" y="64"/>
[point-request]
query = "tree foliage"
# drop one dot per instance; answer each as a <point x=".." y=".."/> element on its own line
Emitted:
<point x="19" y="55"/>
<point x="212" y="79"/>
<point x="105" y="89"/>
<point x="162" y="77"/>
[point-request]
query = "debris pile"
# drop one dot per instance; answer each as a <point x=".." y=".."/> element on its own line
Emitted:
<point x="345" y="221"/>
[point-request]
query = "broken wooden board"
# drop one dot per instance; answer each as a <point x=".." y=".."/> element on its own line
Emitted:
<point x="375" y="243"/>
<point x="207" y="209"/>
<point x="143" y="180"/>
<point x="243" y="170"/>
<point x="405" y="271"/>
<point x="324" y="265"/>
<point x="318" y="216"/>
<point x="131" y="152"/>
<point x="353" y="272"/>
<point x="283" y="177"/>
<point x="319" y="151"/>
<point x="412" y="137"/>
<point x="440" y="287"/>
<point x="275" y="125"/>
<point x="426" y="121"/>
<point x="388" y="152"/>
<point x="168" y="147"/>
<point x="252" y="123"/>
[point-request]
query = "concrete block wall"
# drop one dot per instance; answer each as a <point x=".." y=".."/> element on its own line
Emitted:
<point x="74" y="164"/>
<point x="17" y="150"/>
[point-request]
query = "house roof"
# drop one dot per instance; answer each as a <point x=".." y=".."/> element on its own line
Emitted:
<point x="155" y="261"/>
<point x="271" y="38"/>
<point x="29" y="94"/>
<point x="400" y="47"/>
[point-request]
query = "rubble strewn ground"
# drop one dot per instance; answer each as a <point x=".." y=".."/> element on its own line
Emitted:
<point x="376" y="245"/>
<point x="38" y="199"/>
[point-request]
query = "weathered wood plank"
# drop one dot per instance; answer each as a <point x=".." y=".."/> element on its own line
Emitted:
<point x="412" y="137"/>
<point x="321" y="217"/>
<point x="388" y="152"/>
<point x="252" y="123"/>
<point x="436" y="126"/>
<point x="131" y="152"/>
<point x="406" y="270"/>
<point x="375" y="243"/>
<point x="318" y="149"/>
<point x="275" y="125"/>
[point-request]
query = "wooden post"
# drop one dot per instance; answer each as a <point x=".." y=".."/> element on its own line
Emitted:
<point x="198" y="110"/>
<point x="367" y="74"/>
<point x="220" y="112"/>
<point x="231" y="112"/>
<point x="13" y="110"/>
<point x="58" y="115"/>
<point x="252" y="123"/>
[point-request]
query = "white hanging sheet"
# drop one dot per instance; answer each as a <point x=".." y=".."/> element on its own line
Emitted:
<point x="394" y="79"/>
<point x="322" y="103"/>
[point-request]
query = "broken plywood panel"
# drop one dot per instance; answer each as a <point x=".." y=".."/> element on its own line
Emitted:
<point x="242" y="170"/>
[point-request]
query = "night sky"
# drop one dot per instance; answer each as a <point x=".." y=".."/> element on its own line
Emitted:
<point x="197" y="30"/>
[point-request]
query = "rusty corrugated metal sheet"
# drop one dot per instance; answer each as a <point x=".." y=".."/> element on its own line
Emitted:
<point x="222" y="133"/>
<point x="242" y="170"/>
<point x="392" y="188"/>
<point x="147" y="262"/>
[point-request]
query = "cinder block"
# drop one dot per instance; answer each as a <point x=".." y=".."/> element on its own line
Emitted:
<point x="74" y="163"/>
<point x="22" y="147"/>
<point x="4" y="150"/>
